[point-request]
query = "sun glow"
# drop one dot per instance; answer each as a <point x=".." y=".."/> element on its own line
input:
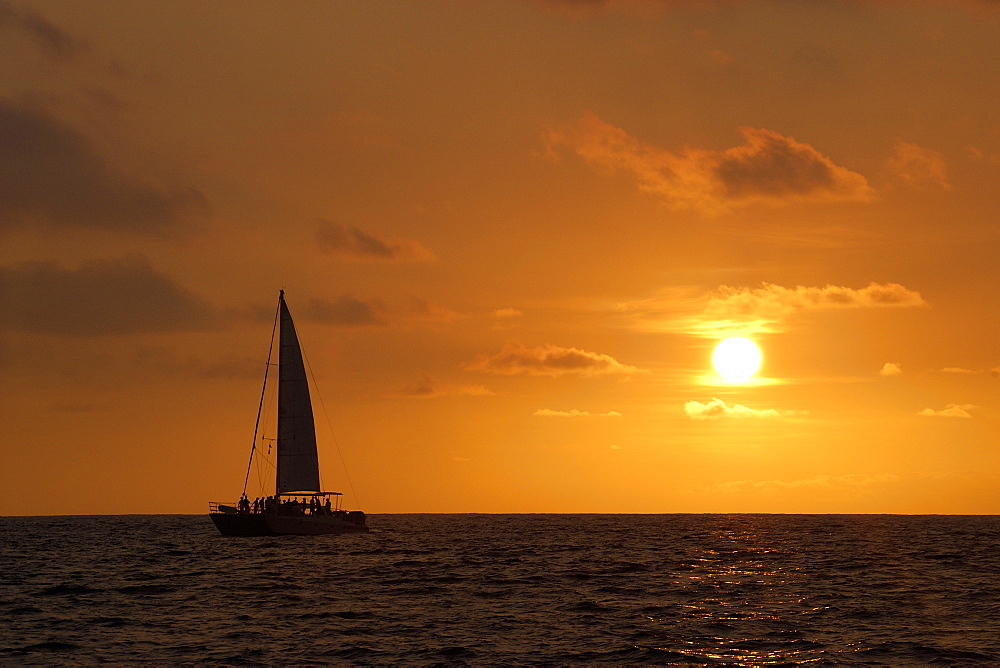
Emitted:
<point x="736" y="359"/>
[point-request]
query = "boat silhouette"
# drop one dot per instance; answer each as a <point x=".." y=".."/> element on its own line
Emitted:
<point x="299" y="505"/>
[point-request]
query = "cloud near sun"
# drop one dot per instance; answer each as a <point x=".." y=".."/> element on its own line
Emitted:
<point x="548" y="360"/>
<point x="573" y="413"/>
<point x="775" y="301"/>
<point x="768" y="167"/>
<point x="952" y="411"/>
<point x="762" y="310"/>
<point x="717" y="409"/>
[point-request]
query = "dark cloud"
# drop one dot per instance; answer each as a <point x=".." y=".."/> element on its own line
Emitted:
<point x="345" y="311"/>
<point x="167" y="361"/>
<point x="355" y="243"/>
<point x="768" y="167"/>
<point x="50" y="173"/>
<point x="102" y="297"/>
<point x="548" y="360"/>
<point x="53" y="40"/>
<point x="771" y="165"/>
<point x="425" y="388"/>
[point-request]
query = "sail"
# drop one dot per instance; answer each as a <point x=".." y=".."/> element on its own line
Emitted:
<point x="298" y="464"/>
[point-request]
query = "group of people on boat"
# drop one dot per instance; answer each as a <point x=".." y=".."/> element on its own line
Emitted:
<point x="290" y="506"/>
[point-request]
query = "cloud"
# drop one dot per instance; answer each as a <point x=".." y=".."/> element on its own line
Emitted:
<point x="50" y="173"/>
<point x="54" y="41"/>
<point x="506" y="318"/>
<point x="771" y="166"/>
<point x="768" y="168"/>
<point x="102" y="297"/>
<point x="167" y="361"/>
<point x="399" y="311"/>
<point x="346" y="311"/>
<point x="918" y="168"/>
<point x="817" y="482"/>
<point x="952" y="411"/>
<point x="774" y="300"/>
<point x="959" y="370"/>
<point x="579" y="7"/>
<point x="427" y="388"/>
<point x="730" y="311"/>
<point x="545" y="412"/>
<point x="74" y="407"/>
<point x="890" y="369"/>
<point x="417" y="309"/>
<point x="717" y="409"/>
<point x="764" y="309"/>
<point x="354" y="243"/>
<point x="548" y="360"/>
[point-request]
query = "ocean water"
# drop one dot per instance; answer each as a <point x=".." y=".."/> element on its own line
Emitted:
<point x="505" y="589"/>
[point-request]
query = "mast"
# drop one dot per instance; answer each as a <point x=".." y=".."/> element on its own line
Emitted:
<point x="260" y="406"/>
<point x="298" y="463"/>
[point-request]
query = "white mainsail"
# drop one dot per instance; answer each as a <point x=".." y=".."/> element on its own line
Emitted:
<point x="298" y="464"/>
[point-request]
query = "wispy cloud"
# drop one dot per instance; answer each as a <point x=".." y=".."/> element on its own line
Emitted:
<point x="425" y="388"/>
<point x="400" y="311"/>
<point x="167" y="360"/>
<point x="717" y="409"/>
<point x="918" y="168"/>
<point x="356" y="244"/>
<point x="101" y="297"/>
<point x="890" y="369"/>
<point x="504" y="313"/>
<point x="768" y="167"/>
<point x="578" y="8"/>
<point x="994" y="371"/>
<point x="573" y="413"/>
<point x="50" y="173"/>
<point x="817" y="482"/>
<point x="413" y="309"/>
<point x="952" y="411"/>
<point x="50" y="38"/>
<point x="346" y="311"/>
<point x="548" y="360"/>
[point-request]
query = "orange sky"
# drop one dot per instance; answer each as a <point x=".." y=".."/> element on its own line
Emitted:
<point x="511" y="234"/>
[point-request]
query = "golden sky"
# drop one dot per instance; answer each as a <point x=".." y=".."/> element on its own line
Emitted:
<point x="511" y="234"/>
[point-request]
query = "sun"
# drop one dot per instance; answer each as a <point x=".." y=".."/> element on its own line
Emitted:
<point x="736" y="359"/>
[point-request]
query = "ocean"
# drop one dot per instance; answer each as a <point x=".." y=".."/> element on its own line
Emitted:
<point x="755" y="590"/>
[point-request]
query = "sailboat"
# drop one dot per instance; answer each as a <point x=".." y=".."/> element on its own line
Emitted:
<point x="299" y="505"/>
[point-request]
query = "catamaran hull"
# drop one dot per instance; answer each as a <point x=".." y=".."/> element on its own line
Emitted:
<point x="231" y="524"/>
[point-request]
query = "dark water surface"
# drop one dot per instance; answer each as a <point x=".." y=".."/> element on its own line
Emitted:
<point x="506" y="589"/>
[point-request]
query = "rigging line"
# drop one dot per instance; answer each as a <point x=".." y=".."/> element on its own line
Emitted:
<point x="261" y="460"/>
<point x="260" y="407"/>
<point x="329" y="424"/>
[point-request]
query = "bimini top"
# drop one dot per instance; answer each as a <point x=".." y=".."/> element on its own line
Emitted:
<point x="308" y="493"/>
